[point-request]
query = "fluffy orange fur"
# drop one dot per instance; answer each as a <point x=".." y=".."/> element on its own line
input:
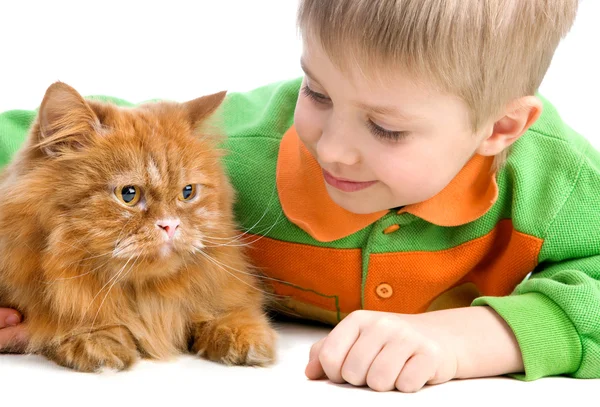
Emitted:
<point x="99" y="281"/>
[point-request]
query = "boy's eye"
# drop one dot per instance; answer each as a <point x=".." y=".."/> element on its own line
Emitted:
<point x="386" y="134"/>
<point x="314" y="96"/>
<point x="129" y="194"/>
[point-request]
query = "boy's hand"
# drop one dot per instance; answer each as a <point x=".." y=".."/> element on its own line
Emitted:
<point x="384" y="351"/>
<point x="388" y="351"/>
<point x="11" y="332"/>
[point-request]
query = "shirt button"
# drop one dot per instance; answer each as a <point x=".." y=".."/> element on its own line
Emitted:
<point x="384" y="290"/>
<point x="391" y="229"/>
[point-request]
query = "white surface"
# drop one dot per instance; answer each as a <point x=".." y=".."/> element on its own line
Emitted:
<point x="183" y="49"/>
<point x="194" y="381"/>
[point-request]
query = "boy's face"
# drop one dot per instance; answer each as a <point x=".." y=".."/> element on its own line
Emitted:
<point x="382" y="144"/>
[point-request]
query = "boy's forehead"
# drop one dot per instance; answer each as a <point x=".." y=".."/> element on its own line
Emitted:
<point x="360" y="73"/>
<point x="354" y="63"/>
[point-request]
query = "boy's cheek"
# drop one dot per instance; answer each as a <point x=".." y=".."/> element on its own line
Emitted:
<point x="307" y="124"/>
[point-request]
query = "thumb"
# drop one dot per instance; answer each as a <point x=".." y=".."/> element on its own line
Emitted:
<point x="314" y="370"/>
<point x="13" y="339"/>
<point x="9" y="317"/>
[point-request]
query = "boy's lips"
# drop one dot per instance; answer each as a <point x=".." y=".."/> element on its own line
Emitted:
<point x="345" y="184"/>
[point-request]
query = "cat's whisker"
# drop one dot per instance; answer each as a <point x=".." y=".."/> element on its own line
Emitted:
<point x="267" y="294"/>
<point x="78" y="245"/>
<point x="265" y="212"/>
<point x="77" y="248"/>
<point x="118" y="240"/>
<point x="78" y="276"/>
<point x="262" y="234"/>
<point x="277" y="307"/>
<point x="271" y="199"/>
<point x="132" y="266"/>
<point x="116" y="280"/>
<point x="248" y="243"/>
<point x="224" y="266"/>
<point x="83" y="274"/>
<point x="114" y="277"/>
<point x="120" y="250"/>
<point x="216" y="263"/>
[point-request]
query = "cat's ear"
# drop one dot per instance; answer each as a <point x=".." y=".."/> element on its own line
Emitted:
<point x="66" y="121"/>
<point x="203" y="107"/>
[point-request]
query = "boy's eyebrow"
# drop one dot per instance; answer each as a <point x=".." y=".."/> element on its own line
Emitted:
<point x="381" y="110"/>
<point x="305" y="69"/>
<point x="387" y="111"/>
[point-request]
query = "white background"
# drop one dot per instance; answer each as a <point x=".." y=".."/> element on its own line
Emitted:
<point x="139" y="50"/>
<point x="183" y="49"/>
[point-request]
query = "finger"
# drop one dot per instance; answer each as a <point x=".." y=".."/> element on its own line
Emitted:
<point x="417" y="371"/>
<point x="361" y="356"/>
<point x="13" y="338"/>
<point x="336" y="346"/>
<point x="315" y="349"/>
<point x="9" y="317"/>
<point x="388" y="364"/>
<point x="314" y="370"/>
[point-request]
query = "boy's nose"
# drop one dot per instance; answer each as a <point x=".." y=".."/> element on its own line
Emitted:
<point x="335" y="149"/>
<point x="169" y="226"/>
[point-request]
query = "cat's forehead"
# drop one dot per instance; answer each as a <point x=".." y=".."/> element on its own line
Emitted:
<point x="147" y="171"/>
<point x="145" y="119"/>
<point x="163" y="158"/>
<point x="156" y="172"/>
<point x="155" y="145"/>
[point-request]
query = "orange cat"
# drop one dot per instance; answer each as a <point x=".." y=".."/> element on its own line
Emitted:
<point x="117" y="238"/>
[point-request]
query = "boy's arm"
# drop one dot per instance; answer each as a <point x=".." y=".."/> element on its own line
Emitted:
<point x="555" y="314"/>
<point x="555" y="318"/>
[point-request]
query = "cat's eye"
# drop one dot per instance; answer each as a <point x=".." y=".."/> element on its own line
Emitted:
<point x="129" y="194"/>
<point x="187" y="193"/>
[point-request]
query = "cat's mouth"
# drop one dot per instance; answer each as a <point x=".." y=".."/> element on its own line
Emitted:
<point x="150" y="260"/>
<point x="158" y="250"/>
<point x="166" y="249"/>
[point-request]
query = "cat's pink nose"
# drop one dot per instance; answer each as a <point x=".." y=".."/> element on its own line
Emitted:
<point x="169" y="226"/>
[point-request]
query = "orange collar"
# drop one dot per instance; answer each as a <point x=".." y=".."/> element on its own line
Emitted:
<point x="306" y="203"/>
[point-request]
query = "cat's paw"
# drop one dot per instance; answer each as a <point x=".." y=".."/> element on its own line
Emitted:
<point x="236" y="342"/>
<point x="112" y="348"/>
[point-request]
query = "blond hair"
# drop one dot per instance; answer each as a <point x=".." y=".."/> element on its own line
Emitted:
<point x="486" y="52"/>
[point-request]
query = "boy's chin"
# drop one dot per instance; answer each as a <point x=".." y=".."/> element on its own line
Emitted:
<point x="363" y="205"/>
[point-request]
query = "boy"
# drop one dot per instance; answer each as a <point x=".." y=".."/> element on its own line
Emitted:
<point x="414" y="192"/>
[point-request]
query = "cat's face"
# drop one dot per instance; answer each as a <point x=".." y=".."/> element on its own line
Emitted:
<point x="132" y="185"/>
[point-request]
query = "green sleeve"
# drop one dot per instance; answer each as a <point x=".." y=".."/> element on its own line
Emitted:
<point x="555" y="314"/>
<point x="14" y="125"/>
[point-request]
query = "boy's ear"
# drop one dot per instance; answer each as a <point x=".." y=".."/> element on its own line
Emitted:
<point x="518" y="116"/>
